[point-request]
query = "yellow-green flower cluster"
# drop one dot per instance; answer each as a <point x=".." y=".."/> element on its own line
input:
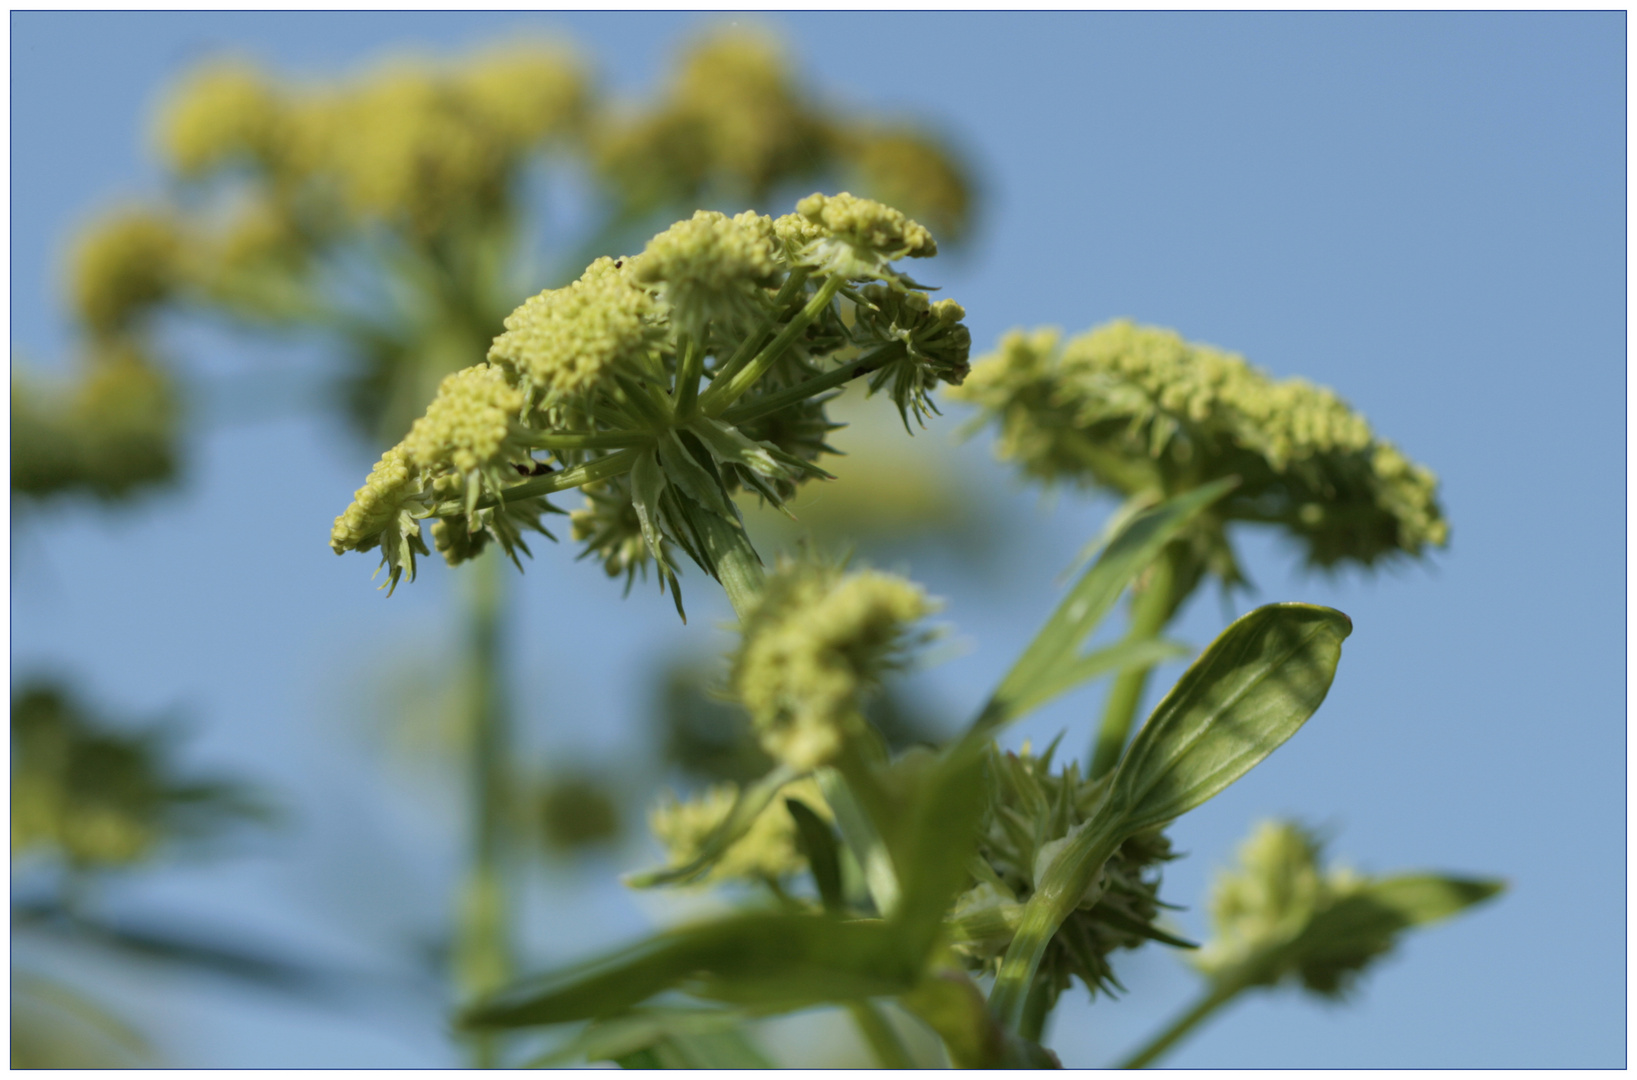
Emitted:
<point x="112" y="432"/>
<point x="224" y="110"/>
<point x="666" y="382"/>
<point x="711" y="266"/>
<point x="1033" y="811"/>
<point x="1265" y="905"/>
<point x="563" y="342"/>
<point x="468" y="426"/>
<point x="816" y="643"/>
<point x="123" y="265"/>
<point x="421" y="146"/>
<point x="1140" y="410"/>
<point x="733" y="124"/>
<point x="527" y="91"/>
<point x="386" y="512"/>
<point x="766" y="852"/>
<point x="904" y="167"/>
<point x="860" y="237"/>
<point x="731" y="119"/>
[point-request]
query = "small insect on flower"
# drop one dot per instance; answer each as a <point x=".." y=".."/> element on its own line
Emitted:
<point x="538" y="468"/>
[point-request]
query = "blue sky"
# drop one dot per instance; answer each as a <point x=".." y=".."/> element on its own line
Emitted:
<point x="1423" y="211"/>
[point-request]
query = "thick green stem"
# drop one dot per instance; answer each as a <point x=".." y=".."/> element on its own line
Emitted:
<point x="738" y="567"/>
<point x="729" y="388"/>
<point x="483" y="956"/>
<point x="878" y="1032"/>
<point x="1150" y="610"/>
<point x="1037" y="1008"/>
<point x="1218" y="996"/>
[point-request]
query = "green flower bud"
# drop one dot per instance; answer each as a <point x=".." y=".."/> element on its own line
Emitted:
<point x="1138" y="409"/>
<point x="936" y="344"/>
<point x="123" y="266"/>
<point x="861" y="237"/>
<point x="386" y="512"/>
<point x="768" y="851"/>
<point x="711" y="267"/>
<point x="1030" y="817"/>
<point x="611" y="529"/>
<point x="563" y="342"/>
<point x="812" y="648"/>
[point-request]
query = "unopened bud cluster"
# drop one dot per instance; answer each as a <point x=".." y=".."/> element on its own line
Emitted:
<point x="665" y="382"/>
<point x="814" y="646"/>
<point x="1138" y="409"/>
<point x="1032" y="811"/>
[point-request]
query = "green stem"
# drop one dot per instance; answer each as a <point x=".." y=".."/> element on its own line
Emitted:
<point x="842" y="375"/>
<point x="884" y="1042"/>
<point x="738" y="567"/>
<point x="1037" y="1008"/>
<point x="1218" y="996"/>
<point x="729" y="388"/>
<point x="1057" y="894"/>
<point x="601" y="440"/>
<point x="1150" y="610"/>
<point x="792" y="287"/>
<point x="590" y="472"/>
<point x="482" y="945"/>
<point x="688" y="373"/>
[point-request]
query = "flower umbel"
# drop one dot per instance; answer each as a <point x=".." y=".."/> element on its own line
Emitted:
<point x="817" y="642"/>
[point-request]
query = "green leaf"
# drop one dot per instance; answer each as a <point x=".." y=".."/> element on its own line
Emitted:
<point x="750" y="803"/>
<point x="647" y="485"/>
<point x="771" y="962"/>
<point x="1066" y="676"/>
<point x="682" y="469"/>
<point x="1255" y="685"/>
<point x="1252" y="689"/>
<point x="817" y="843"/>
<point x="728" y="445"/>
<point x="1345" y="937"/>
<point x="1128" y="553"/>
<point x="867" y="846"/>
<point x="935" y="840"/>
